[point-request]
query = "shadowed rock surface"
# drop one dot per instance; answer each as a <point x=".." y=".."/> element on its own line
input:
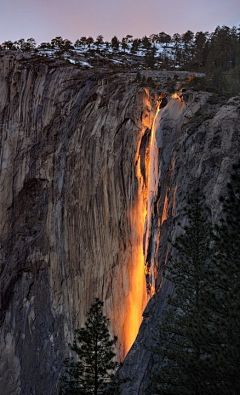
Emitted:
<point x="69" y="143"/>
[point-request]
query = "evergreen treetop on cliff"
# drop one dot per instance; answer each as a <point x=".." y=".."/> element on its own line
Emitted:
<point x="217" y="54"/>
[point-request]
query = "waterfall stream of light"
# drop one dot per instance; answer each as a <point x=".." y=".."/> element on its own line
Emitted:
<point x="138" y="297"/>
<point x="153" y="180"/>
<point x="140" y="217"/>
<point x="173" y="110"/>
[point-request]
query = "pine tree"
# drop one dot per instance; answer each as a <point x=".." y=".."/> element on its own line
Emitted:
<point x="146" y="42"/>
<point x="150" y="57"/>
<point x="89" y="41"/>
<point x="135" y="45"/>
<point x="99" y="41"/>
<point x="199" y="342"/>
<point x="92" y="371"/>
<point x="9" y="45"/>
<point x="226" y="279"/>
<point x="115" y="43"/>
<point x="184" y="343"/>
<point x="164" y="38"/>
<point x="57" y="43"/>
<point x="124" y="44"/>
<point x="187" y="39"/>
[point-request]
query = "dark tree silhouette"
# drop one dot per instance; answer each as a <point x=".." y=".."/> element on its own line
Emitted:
<point x="184" y="343"/>
<point x="115" y="42"/>
<point x="226" y="280"/>
<point x="199" y="341"/>
<point x="99" y="41"/>
<point x="91" y="372"/>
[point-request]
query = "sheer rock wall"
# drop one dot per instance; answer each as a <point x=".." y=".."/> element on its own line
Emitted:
<point x="71" y="141"/>
<point x="68" y="147"/>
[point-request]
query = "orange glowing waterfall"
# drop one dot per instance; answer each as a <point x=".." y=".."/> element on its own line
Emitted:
<point x="152" y="186"/>
<point x="137" y="297"/>
<point x="141" y="275"/>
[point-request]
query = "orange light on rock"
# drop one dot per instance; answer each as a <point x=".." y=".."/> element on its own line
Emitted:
<point x="176" y="96"/>
<point x="165" y="209"/>
<point x="138" y="295"/>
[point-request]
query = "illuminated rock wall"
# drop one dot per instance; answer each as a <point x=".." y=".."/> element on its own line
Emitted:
<point x="71" y="213"/>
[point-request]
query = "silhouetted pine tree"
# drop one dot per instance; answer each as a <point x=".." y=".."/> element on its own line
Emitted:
<point x="150" y="56"/>
<point x="92" y="371"/>
<point x="226" y="280"/>
<point x="135" y="45"/>
<point x="199" y="341"/>
<point x="185" y="338"/>
<point x="115" y="42"/>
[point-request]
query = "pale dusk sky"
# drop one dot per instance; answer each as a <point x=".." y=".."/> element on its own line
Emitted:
<point x="46" y="19"/>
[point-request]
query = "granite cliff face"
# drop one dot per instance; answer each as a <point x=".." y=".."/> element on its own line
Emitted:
<point x="68" y="234"/>
<point x="76" y="179"/>
<point x="197" y="141"/>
